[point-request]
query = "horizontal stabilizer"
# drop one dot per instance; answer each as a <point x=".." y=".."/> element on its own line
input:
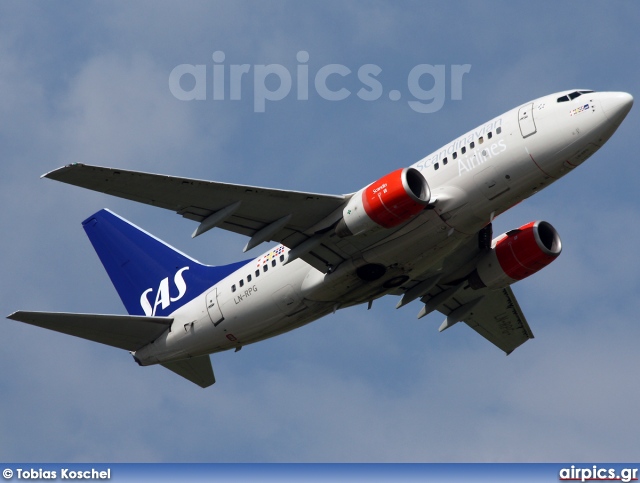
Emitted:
<point x="197" y="369"/>
<point x="127" y="332"/>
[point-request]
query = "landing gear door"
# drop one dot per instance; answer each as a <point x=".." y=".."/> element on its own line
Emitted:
<point x="213" y="307"/>
<point x="525" y="119"/>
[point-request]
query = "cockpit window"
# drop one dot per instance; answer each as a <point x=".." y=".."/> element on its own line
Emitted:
<point x="573" y="95"/>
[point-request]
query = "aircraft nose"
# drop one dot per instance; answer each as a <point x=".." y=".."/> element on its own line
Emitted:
<point x="616" y="105"/>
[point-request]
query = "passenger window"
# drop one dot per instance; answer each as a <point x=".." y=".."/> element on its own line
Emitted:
<point x="282" y="258"/>
<point x="499" y="130"/>
<point x="436" y="166"/>
<point x="241" y="283"/>
<point x="233" y="288"/>
<point x="489" y="135"/>
<point x="265" y="268"/>
<point x="480" y="140"/>
<point x="249" y="278"/>
<point x="273" y="263"/>
<point x="472" y="145"/>
<point x="257" y="273"/>
<point x="463" y="150"/>
<point x="444" y="161"/>
<point x="455" y="155"/>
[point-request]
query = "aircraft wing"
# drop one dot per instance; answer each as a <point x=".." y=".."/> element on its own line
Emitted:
<point x="127" y="332"/>
<point x="499" y="319"/>
<point x="494" y="314"/>
<point x="289" y="217"/>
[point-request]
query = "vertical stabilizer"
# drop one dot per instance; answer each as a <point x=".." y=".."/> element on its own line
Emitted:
<point x="151" y="277"/>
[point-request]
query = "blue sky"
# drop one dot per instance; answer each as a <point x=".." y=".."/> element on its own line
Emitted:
<point x="88" y="82"/>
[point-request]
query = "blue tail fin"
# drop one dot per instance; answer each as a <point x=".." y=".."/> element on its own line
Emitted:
<point x="151" y="277"/>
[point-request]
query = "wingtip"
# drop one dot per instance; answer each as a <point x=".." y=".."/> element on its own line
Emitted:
<point x="205" y="385"/>
<point x="51" y="174"/>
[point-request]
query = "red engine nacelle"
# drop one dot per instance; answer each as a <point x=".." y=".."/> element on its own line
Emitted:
<point x="517" y="254"/>
<point x="388" y="202"/>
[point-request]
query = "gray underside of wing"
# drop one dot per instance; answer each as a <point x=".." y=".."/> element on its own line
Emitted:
<point x="122" y="331"/>
<point x="494" y="314"/>
<point x="196" y="199"/>
<point x="199" y="200"/>
<point x="499" y="319"/>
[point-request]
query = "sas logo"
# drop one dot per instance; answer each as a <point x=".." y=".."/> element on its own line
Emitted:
<point x="163" y="297"/>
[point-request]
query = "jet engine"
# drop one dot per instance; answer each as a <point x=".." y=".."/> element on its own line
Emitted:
<point x="517" y="254"/>
<point x="388" y="202"/>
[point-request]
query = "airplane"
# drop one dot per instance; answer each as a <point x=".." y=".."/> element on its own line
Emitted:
<point x="420" y="232"/>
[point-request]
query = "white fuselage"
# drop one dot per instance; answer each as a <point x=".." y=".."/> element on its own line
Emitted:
<point x="473" y="179"/>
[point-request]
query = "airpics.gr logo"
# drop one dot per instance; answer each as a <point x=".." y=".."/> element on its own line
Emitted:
<point x="331" y="82"/>
<point x="163" y="296"/>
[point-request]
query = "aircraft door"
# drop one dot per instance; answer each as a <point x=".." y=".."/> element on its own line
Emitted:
<point x="525" y="119"/>
<point x="213" y="307"/>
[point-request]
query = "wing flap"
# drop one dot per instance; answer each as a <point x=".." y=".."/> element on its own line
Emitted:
<point x="122" y="331"/>
<point x="197" y="370"/>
